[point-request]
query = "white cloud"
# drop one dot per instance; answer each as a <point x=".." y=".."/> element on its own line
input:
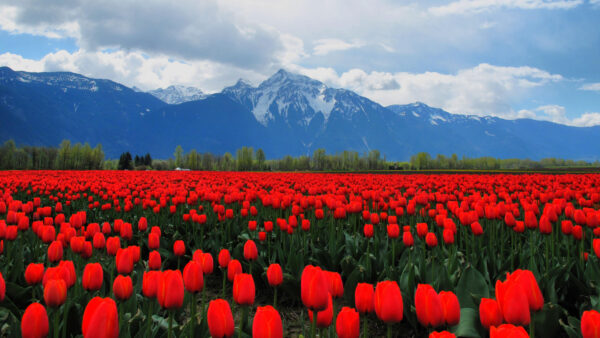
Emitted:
<point x="476" y="6"/>
<point x="185" y="29"/>
<point x="9" y="21"/>
<point x="482" y="90"/>
<point x="135" y="69"/>
<point x="591" y="86"/>
<point x="558" y="114"/>
<point x="326" y="46"/>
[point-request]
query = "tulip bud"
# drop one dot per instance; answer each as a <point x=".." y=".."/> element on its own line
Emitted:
<point x="34" y="323"/>
<point x="220" y="319"/>
<point x="100" y="318"/>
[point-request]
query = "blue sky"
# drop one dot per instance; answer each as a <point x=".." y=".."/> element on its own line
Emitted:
<point x="508" y="58"/>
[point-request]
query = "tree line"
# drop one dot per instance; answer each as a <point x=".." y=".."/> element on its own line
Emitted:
<point x="83" y="157"/>
<point x="66" y="156"/>
<point x="423" y="161"/>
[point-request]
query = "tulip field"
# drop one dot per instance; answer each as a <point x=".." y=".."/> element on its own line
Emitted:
<point x="222" y="254"/>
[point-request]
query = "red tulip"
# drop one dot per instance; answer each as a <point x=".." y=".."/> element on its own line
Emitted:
<point x="508" y="331"/>
<point x="368" y="230"/>
<point x="92" y="277"/>
<point x="388" y="302"/>
<point x="142" y="224"/>
<point x="336" y="286"/>
<point x="590" y="324"/>
<point x="530" y="220"/>
<point x="476" y="229"/>
<point x="170" y="289"/>
<point x="527" y="282"/>
<point x="431" y="240"/>
<point x="55" y="251"/>
<point x="207" y="263"/>
<point x="596" y="245"/>
<point x="450" y="307"/>
<point x="220" y="319"/>
<point x="325" y="316"/>
<point x="422" y="229"/>
<point x="428" y="306"/>
<point x="2" y="288"/>
<point x="489" y="313"/>
<point x="179" y="248"/>
<point x="34" y="323"/>
<point x="34" y="273"/>
<point x="233" y="268"/>
<point x="150" y="283"/>
<point x="243" y="289"/>
<point x="267" y="323"/>
<point x="124" y="261"/>
<point x="193" y="277"/>
<point x="154" y="260"/>
<point x="314" y="289"/>
<point x="55" y="292"/>
<point x="274" y="275"/>
<point x="407" y="239"/>
<point x="99" y="242"/>
<point x="113" y="244"/>
<point x="153" y="241"/>
<point x="393" y="230"/>
<point x="100" y="318"/>
<point x="224" y="258"/>
<point x="364" y="297"/>
<point x="122" y="287"/>
<point x="126" y="231"/>
<point x="513" y="303"/>
<point x="347" y="324"/>
<point x="250" y="250"/>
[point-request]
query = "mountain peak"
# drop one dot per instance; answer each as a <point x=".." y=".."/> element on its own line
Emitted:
<point x="176" y="94"/>
<point x="242" y="83"/>
<point x="284" y="77"/>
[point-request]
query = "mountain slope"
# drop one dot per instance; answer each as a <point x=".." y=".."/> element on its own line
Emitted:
<point x="178" y="94"/>
<point x="45" y="108"/>
<point x="286" y="114"/>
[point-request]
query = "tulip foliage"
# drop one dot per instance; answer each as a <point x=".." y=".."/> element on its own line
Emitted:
<point x="142" y="254"/>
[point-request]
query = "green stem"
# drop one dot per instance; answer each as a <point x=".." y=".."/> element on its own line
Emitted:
<point x="170" y="334"/>
<point x="389" y="331"/>
<point x="365" y="326"/>
<point x="393" y="254"/>
<point x="275" y="298"/>
<point x="313" y="325"/>
<point x="194" y="319"/>
<point x="149" y="319"/>
<point x="532" y="326"/>
<point x="56" y="314"/>
<point x="65" y="321"/>
<point x="224" y="276"/>
<point x="202" y="305"/>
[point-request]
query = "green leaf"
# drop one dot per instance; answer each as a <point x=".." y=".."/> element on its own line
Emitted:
<point x="471" y="285"/>
<point x="546" y="321"/>
<point x="468" y="325"/>
<point x="571" y="329"/>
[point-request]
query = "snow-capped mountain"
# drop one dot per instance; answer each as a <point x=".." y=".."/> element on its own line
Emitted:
<point x="178" y="94"/>
<point x="297" y="107"/>
<point x="287" y="114"/>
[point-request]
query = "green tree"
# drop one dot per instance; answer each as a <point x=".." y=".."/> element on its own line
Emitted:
<point x="178" y="157"/>
<point x="260" y="159"/>
<point x="125" y="162"/>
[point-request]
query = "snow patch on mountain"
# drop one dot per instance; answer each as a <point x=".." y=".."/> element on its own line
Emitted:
<point x="178" y="94"/>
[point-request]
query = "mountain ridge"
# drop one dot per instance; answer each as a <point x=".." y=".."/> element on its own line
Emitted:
<point x="285" y="114"/>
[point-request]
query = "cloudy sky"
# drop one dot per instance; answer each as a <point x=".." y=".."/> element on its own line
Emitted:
<point x="508" y="58"/>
